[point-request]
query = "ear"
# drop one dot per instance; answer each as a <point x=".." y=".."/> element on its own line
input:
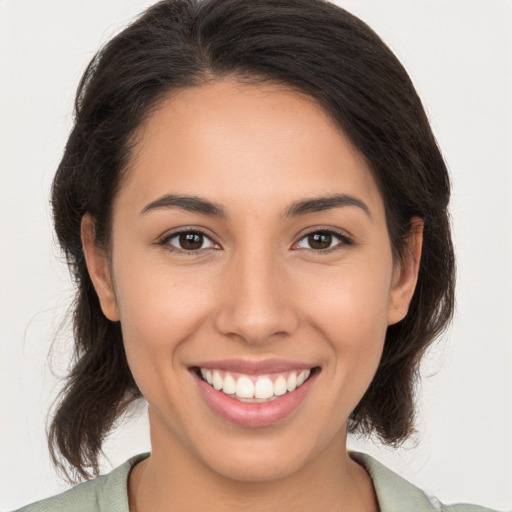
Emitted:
<point x="98" y="267"/>
<point x="405" y="274"/>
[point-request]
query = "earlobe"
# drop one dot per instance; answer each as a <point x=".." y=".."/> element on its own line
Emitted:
<point x="406" y="274"/>
<point x="98" y="268"/>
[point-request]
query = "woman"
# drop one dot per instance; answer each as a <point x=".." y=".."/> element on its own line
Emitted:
<point x="255" y="211"/>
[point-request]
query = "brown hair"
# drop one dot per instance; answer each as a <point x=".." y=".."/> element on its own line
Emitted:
<point x="309" y="45"/>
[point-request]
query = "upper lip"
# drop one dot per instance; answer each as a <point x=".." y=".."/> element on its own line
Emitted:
<point x="254" y="367"/>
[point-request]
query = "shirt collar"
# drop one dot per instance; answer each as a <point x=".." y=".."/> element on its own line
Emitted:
<point x="394" y="494"/>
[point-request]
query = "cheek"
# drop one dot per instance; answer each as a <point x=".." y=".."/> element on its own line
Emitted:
<point x="159" y="311"/>
<point x="349" y="311"/>
<point x="352" y="300"/>
<point x="154" y="298"/>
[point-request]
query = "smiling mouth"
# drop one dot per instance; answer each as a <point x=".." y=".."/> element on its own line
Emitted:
<point x="254" y="388"/>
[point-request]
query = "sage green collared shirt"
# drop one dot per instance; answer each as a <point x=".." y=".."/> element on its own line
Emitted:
<point x="109" y="493"/>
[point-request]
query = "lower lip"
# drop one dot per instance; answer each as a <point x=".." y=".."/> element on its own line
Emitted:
<point x="254" y="415"/>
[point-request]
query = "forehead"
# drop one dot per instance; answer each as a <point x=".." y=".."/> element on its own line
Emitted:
<point x="236" y="142"/>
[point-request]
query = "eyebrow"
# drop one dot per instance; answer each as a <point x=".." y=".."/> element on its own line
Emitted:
<point x="197" y="204"/>
<point x="325" y="203"/>
<point x="188" y="203"/>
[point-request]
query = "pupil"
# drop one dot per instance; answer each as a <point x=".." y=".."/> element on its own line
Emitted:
<point x="320" y="240"/>
<point x="191" y="241"/>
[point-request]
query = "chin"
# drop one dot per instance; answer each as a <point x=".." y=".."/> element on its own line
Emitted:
<point x="258" y="468"/>
<point x="264" y="458"/>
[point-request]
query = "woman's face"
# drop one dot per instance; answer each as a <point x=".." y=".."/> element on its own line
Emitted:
<point x="249" y="246"/>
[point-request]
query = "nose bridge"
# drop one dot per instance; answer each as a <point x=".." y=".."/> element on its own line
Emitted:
<point x="255" y="303"/>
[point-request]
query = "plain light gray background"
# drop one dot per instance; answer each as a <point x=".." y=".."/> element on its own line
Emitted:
<point x="459" y="56"/>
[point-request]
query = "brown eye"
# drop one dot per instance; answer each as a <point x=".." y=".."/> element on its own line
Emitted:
<point x="189" y="241"/>
<point x="322" y="240"/>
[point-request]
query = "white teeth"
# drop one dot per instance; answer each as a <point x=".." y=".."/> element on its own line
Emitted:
<point x="244" y="388"/>
<point x="261" y="388"/>
<point x="291" y="382"/>
<point x="280" y="386"/>
<point x="207" y="376"/>
<point x="302" y="377"/>
<point x="229" y="386"/>
<point x="217" y="379"/>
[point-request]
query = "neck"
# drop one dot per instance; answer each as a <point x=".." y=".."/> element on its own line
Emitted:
<point x="173" y="478"/>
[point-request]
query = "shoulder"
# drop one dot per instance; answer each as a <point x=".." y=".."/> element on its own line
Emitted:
<point x="396" y="494"/>
<point x="105" y="493"/>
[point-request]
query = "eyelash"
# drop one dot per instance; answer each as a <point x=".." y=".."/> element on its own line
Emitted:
<point x="343" y="240"/>
<point x="165" y="241"/>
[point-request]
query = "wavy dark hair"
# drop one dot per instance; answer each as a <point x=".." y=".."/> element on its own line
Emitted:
<point x="311" y="46"/>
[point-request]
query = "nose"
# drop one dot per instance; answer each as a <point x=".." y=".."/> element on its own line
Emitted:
<point x="256" y="299"/>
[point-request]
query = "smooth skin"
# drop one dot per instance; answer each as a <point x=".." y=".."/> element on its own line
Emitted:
<point x="254" y="284"/>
